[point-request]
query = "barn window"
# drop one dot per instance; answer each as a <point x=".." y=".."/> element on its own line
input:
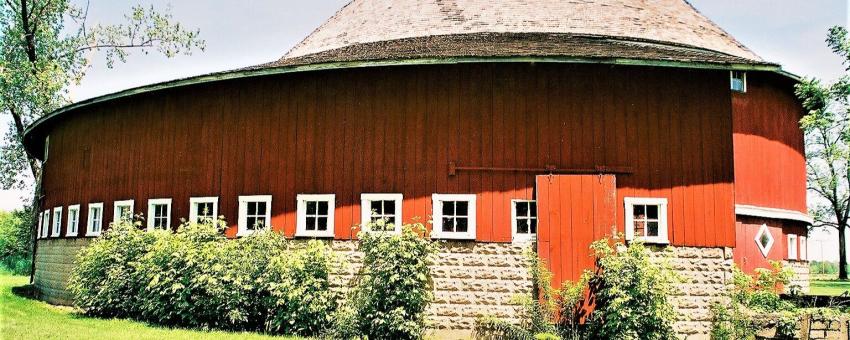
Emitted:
<point x="203" y="209"/>
<point x="524" y="220"/>
<point x="95" y="224"/>
<point x="792" y="247"/>
<point x="381" y="212"/>
<point x="315" y="215"/>
<point x="122" y="211"/>
<point x="254" y="213"/>
<point x="454" y="216"/>
<point x="73" y="220"/>
<point x="45" y="222"/>
<point x="646" y="219"/>
<point x="738" y="81"/>
<point x="159" y="213"/>
<point x="804" y="255"/>
<point x="764" y="240"/>
<point x="40" y="225"/>
<point x="57" y="221"/>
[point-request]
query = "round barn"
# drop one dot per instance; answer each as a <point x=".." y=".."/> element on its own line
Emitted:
<point x="506" y="122"/>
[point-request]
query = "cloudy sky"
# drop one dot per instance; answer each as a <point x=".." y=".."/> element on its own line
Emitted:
<point x="249" y="32"/>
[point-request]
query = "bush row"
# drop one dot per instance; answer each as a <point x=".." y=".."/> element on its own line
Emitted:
<point x="197" y="278"/>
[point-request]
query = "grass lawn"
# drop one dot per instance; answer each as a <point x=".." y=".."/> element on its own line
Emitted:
<point x="828" y="286"/>
<point x="23" y="318"/>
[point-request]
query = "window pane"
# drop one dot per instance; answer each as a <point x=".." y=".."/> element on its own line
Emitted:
<point x="640" y="229"/>
<point x="389" y="207"/>
<point x="652" y="212"/>
<point x="533" y="209"/>
<point x="322" y="223"/>
<point x="311" y="207"/>
<point x="639" y="211"/>
<point x="261" y="208"/>
<point x="448" y="224"/>
<point x="449" y="208"/>
<point x="462" y="224"/>
<point x="522" y="226"/>
<point x="323" y="207"/>
<point x="252" y="223"/>
<point x="522" y="209"/>
<point x="252" y="208"/>
<point x="462" y="208"/>
<point x="652" y="229"/>
<point x="534" y="226"/>
<point x="311" y="223"/>
<point x="377" y="208"/>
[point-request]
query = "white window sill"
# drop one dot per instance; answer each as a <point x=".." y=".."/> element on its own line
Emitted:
<point x="71" y="235"/>
<point x="524" y="240"/>
<point x="93" y="234"/>
<point x="652" y="240"/>
<point x="318" y="235"/>
<point x="452" y="236"/>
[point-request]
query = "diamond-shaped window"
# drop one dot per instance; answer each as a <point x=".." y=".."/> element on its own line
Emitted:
<point x="764" y="240"/>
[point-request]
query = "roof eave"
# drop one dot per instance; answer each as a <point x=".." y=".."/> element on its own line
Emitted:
<point x="33" y="139"/>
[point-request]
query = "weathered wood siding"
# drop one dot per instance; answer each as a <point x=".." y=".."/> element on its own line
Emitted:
<point x="396" y="129"/>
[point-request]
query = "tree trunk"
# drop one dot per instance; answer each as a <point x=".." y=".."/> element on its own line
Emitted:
<point x="842" y="252"/>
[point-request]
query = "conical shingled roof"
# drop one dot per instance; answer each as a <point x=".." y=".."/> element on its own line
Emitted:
<point x="639" y="29"/>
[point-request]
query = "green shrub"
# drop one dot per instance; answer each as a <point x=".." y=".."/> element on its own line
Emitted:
<point x="393" y="288"/>
<point x="302" y="301"/>
<point x="750" y="298"/>
<point x="197" y="278"/>
<point x="631" y="291"/>
<point x="105" y="281"/>
<point x="16" y="241"/>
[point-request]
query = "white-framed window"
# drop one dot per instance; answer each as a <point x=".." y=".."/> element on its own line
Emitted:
<point x="203" y="209"/>
<point x="804" y="249"/>
<point x="792" y="247"/>
<point x="315" y="215"/>
<point x="524" y="220"/>
<point x="95" y="219"/>
<point x="738" y="81"/>
<point x="122" y="210"/>
<point x="255" y="213"/>
<point x="159" y="213"/>
<point x="38" y="231"/>
<point x="57" y="222"/>
<point x="73" y="226"/>
<point x="646" y="219"/>
<point x="381" y="207"/>
<point x="454" y="216"/>
<point x="45" y="222"/>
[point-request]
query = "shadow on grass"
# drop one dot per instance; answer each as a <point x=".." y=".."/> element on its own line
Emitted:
<point x="25" y="291"/>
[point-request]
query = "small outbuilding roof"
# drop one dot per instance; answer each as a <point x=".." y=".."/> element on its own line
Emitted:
<point x="402" y="29"/>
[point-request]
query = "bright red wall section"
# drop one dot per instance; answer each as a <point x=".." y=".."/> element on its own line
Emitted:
<point x="770" y="164"/>
<point x="748" y="256"/>
<point x="396" y="129"/>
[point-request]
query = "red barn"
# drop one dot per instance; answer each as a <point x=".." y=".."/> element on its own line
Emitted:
<point x="504" y="121"/>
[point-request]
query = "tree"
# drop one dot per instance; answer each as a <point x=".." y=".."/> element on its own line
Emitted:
<point x="46" y="46"/>
<point x="827" y="133"/>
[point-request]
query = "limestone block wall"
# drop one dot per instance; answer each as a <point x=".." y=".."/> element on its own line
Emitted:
<point x="470" y="279"/>
<point x="706" y="274"/>
<point x="800" y="280"/>
<point x="54" y="261"/>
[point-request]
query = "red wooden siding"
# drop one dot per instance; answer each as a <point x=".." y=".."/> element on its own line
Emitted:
<point x="770" y="163"/>
<point x="747" y="255"/>
<point x="395" y="130"/>
<point x="573" y="211"/>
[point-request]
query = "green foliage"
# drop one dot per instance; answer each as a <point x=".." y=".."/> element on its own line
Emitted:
<point x="491" y="328"/>
<point x="823" y="267"/>
<point x="106" y="281"/>
<point x="301" y="296"/>
<point x="46" y="46"/>
<point x="762" y="291"/>
<point x="631" y="291"/>
<point x="15" y="241"/>
<point x="731" y="322"/>
<point x="393" y="288"/>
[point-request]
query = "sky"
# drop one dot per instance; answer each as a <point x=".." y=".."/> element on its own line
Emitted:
<point x="249" y="32"/>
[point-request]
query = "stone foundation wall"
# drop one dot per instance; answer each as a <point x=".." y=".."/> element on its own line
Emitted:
<point x="470" y="280"/>
<point x="54" y="261"/>
<point x="705" y="274"/>
<point x="800" y="280"/>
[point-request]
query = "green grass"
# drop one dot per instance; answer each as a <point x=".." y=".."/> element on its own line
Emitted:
<point x="828" y="286"/>
<point x="24" y="318"/>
